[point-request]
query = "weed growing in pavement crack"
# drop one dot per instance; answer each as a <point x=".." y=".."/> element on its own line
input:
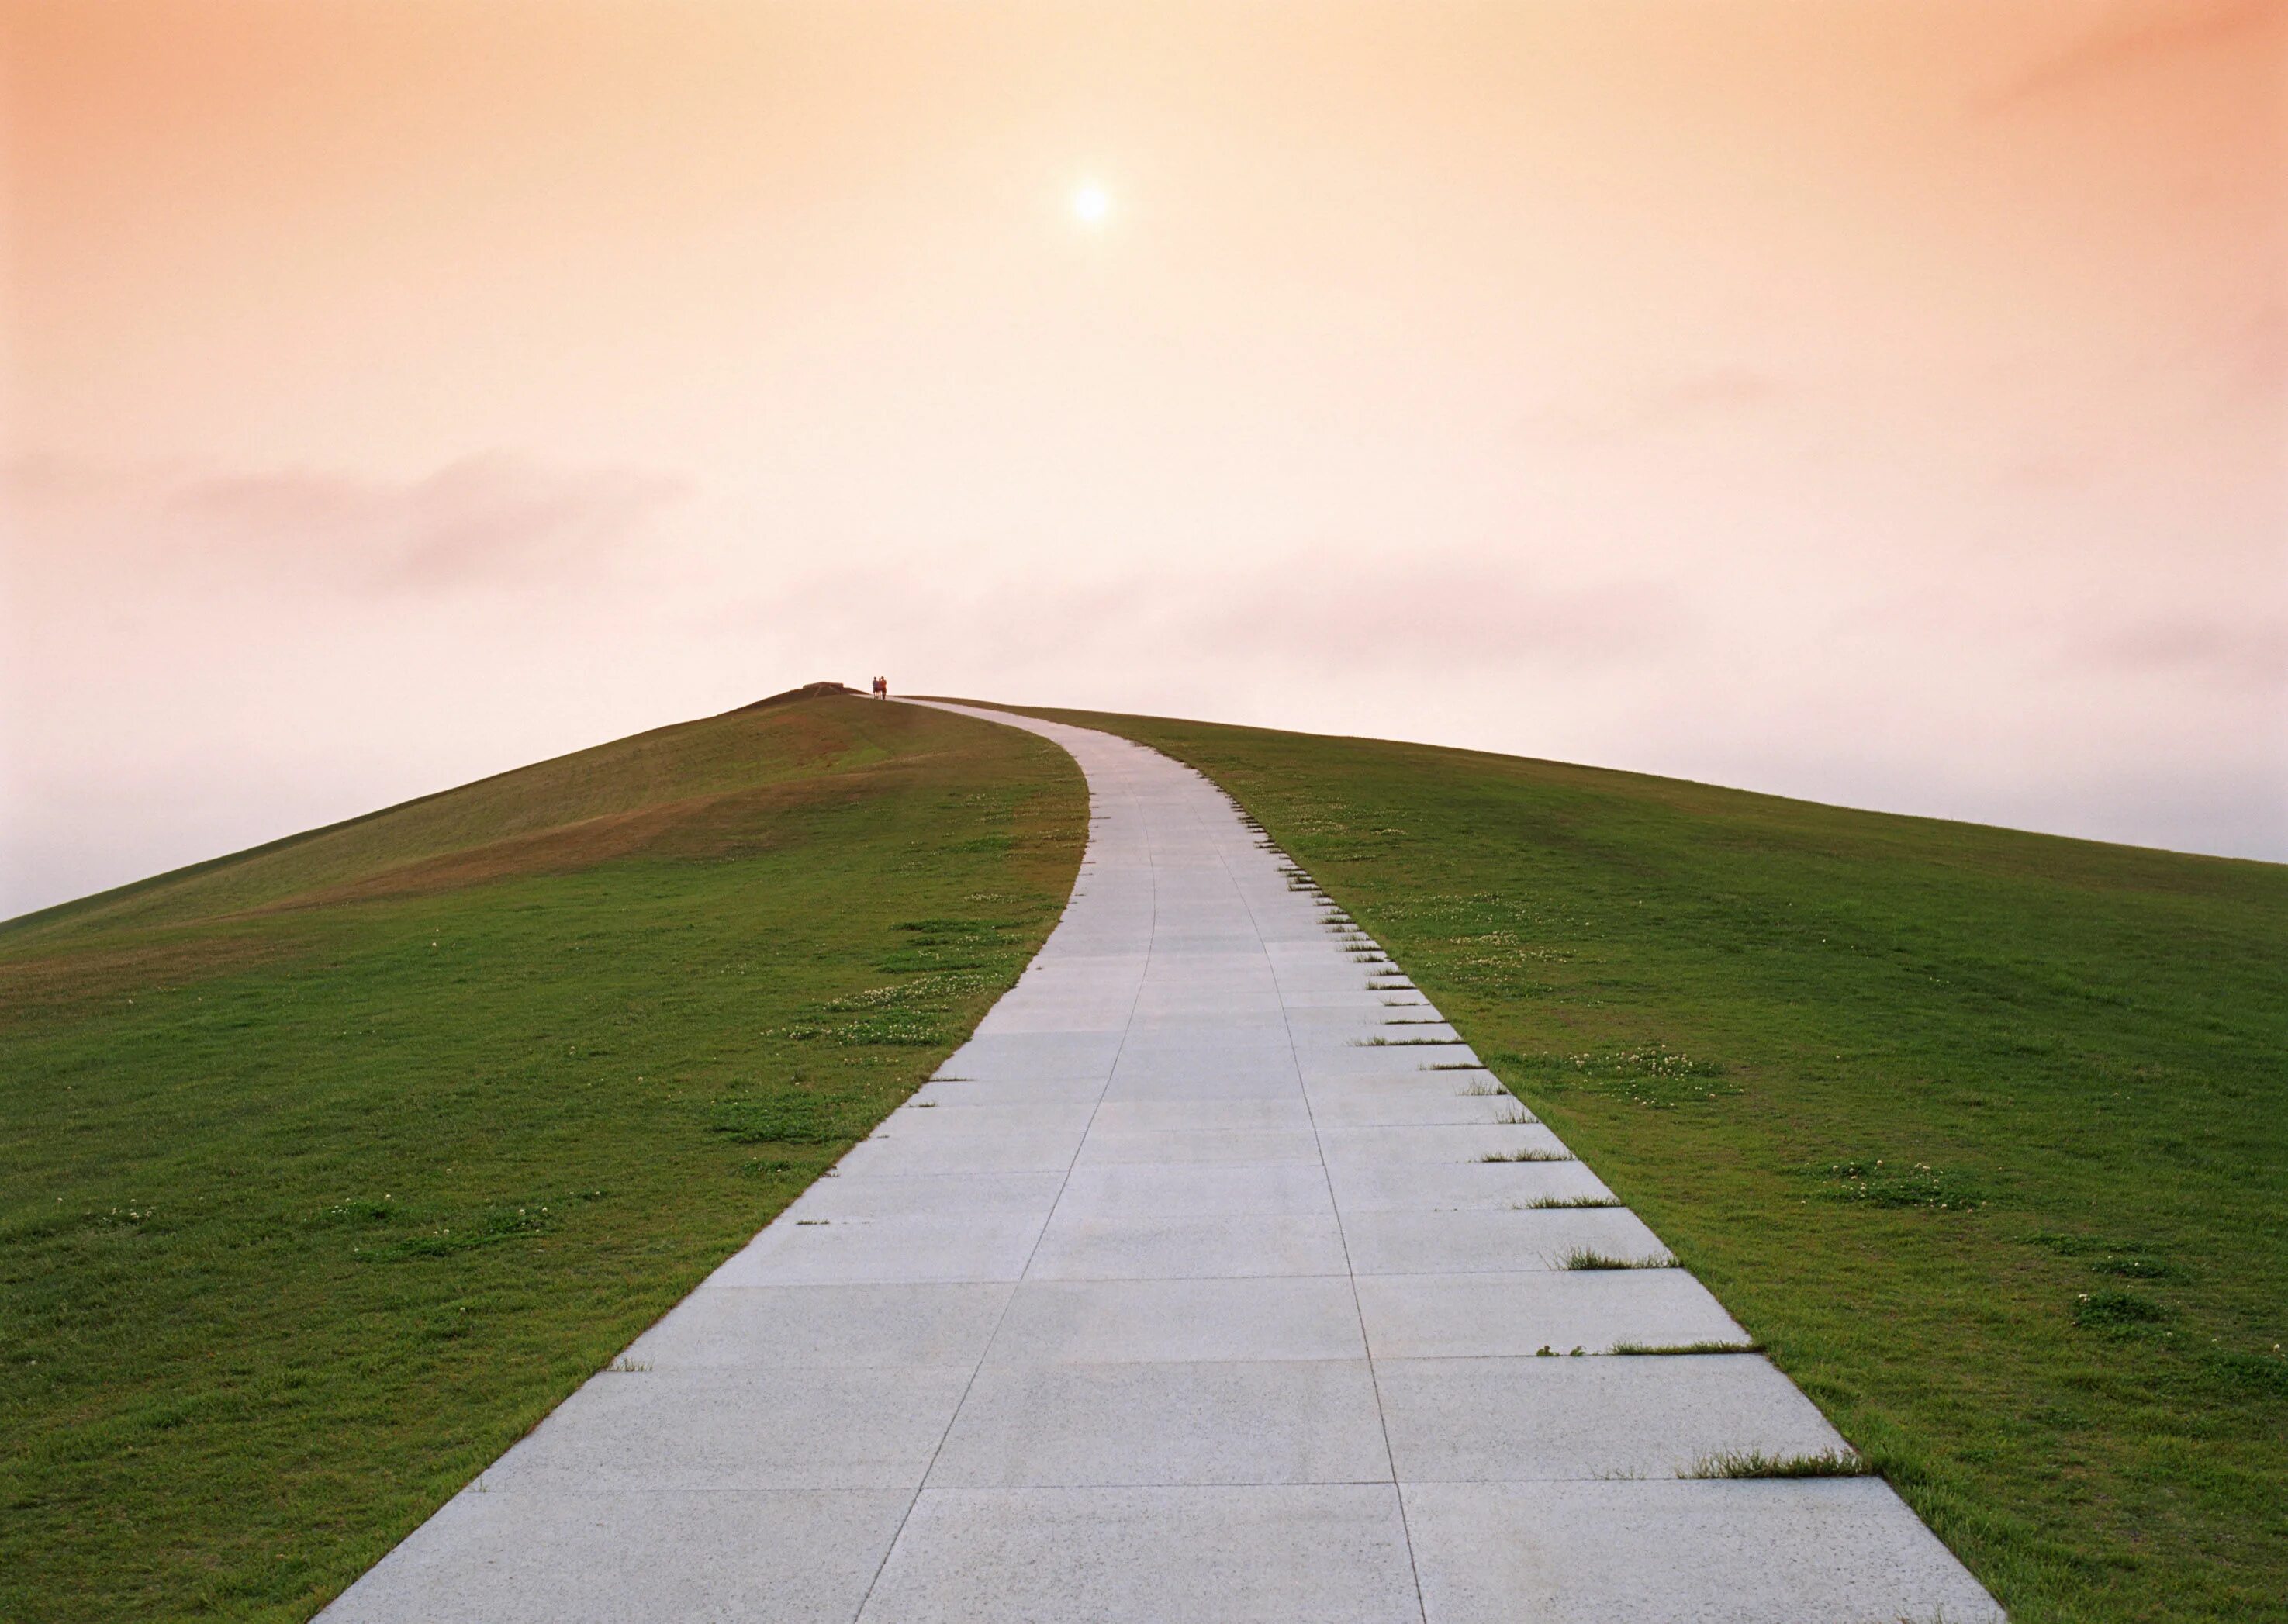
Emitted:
<point x="1756" y="1463"/>
<point x="1590" y="1257"/>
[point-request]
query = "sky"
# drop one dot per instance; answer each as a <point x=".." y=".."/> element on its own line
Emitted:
<point x="1879" y="401"/>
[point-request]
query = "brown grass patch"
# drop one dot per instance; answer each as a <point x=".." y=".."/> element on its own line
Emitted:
<point x="810" y="690"/>
<point x="736" y="823"/>
<point x="35" y="988"/>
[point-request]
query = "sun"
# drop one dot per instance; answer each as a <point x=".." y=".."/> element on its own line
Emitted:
<point x="1091" y="204"/>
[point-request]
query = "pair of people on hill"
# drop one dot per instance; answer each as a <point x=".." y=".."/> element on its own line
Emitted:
<point x="881" y="687"/>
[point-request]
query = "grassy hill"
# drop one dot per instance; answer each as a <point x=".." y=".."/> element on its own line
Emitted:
<point x="1984" y="1134"/>
<point x="331" y="1167"/>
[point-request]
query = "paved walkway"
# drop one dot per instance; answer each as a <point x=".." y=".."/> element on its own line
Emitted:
<point x="1208" y="1281"/>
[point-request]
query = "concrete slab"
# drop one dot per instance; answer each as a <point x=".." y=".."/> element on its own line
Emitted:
<point x="1378" y="1050"/>
<point x="918" y="1146"/>
<point x="850" y="1251"/>
<point x="1194" y="1192"/>
<point x="1515" y="1420"/>
<point x="1494" y="1315"/>
<point x="1241" y="1146"/>
<point x="835" y="1327"/>
<point x="1480" y="1186"/>
<point x="1180" y="1073"/>
<point x="1412" y="1107"/>
<point x="1161" y="1081"/>
<point x="1201" y="1115"/>
<point x="606" y="1558"/>
<point x="927" y="1195"/>
<point x="797" y="1427"/>
<point x="1493" y="1242"/>
<point x="1523" y="1143"/>
<point x="1304" y="1420"/>
<point x="1837" y="1550"/>
<point x="1096" y="1248"/>
<point x="1332" y="1554"/>
<point x="1059" y="1322"/>
<point x="1392" y="1071"/>
<point x="940" y="1108"/>
<point x="1011" y="1090"/>
<point x="1034" y="1054"/>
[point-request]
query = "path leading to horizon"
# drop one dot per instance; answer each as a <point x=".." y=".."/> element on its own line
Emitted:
<point x="1210" y="1280"/>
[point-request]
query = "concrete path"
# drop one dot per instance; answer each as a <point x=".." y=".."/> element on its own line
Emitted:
<point x="1210" y="1280"/>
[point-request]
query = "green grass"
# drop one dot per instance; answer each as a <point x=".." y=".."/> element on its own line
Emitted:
<point x="333" y="1167"/>
<point x="1983" y="1134"/>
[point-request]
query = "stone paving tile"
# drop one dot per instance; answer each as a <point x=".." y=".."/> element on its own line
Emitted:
<point x="1493" y="1316"/>
<point x="1175" y="1147"/>
<point x="1303" y="1421"/>
<point x="1157" y="1321"/>
<point x="796" y="1428"/>
<point x="923" y="1196"/>
<point x="943" y="1108"/>
<point x="1337" y="1052"/>
<point x="1034" y="1054"/>
<point x="837" y="1327"/>
<point x="1493" y="1242"/>
<point x="919" y="1146"/>
<point x="1412" y="1107"/>
<point x="1156" y="1081"/>
<point x="1201" y="1115"/>
<point x="1161" y="1007"/>
<point x="607" y="1558"/>
<point x="1509" y="1420"/>
<point x="1092" y="1248"/>
<point x="1175" y="1074"/>
<point x="1195" y="1192"/>
<point x="1012" y="1090"/>
<point x="1277" y="1553"/>
<point x="990" y="1245"/>
<point x="1484" y="1186"/>
<point x="1065" y="1018"/>
<point x="1835" y="1550"/>
<point x="1463" y="1145"/>
<point x="1388" y="1071"/>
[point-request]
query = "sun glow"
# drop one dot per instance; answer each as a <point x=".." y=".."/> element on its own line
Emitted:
<point x="1091" y="204"/>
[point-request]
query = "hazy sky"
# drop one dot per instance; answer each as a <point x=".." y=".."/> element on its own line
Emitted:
<point x="1878" y="400"/>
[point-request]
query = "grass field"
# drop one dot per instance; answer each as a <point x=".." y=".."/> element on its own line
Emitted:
<point x="1984" y="1134"/>
<point x="333" y="1167"/>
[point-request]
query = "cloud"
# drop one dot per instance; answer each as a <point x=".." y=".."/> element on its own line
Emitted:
<point x="2233" y="653"/>
<point x="1455" y="613"/>
<point x="2263" y="351"/>
<point x="1312" y="615"/>
<point x="2167" y="31"/>
<point x="478" y="521"/>
<point x="1685" y="401"/>
<point x="492" y="520"/>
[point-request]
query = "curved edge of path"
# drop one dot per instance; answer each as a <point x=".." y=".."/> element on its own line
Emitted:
<point x="1213" y="1278"/>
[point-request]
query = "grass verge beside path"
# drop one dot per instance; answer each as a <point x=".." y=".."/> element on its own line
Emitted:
<point x="333" y="1167"/>
<point x="1983" y="1134"/>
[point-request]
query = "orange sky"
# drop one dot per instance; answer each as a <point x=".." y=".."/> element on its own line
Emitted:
<point x="1885" y="402"/>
